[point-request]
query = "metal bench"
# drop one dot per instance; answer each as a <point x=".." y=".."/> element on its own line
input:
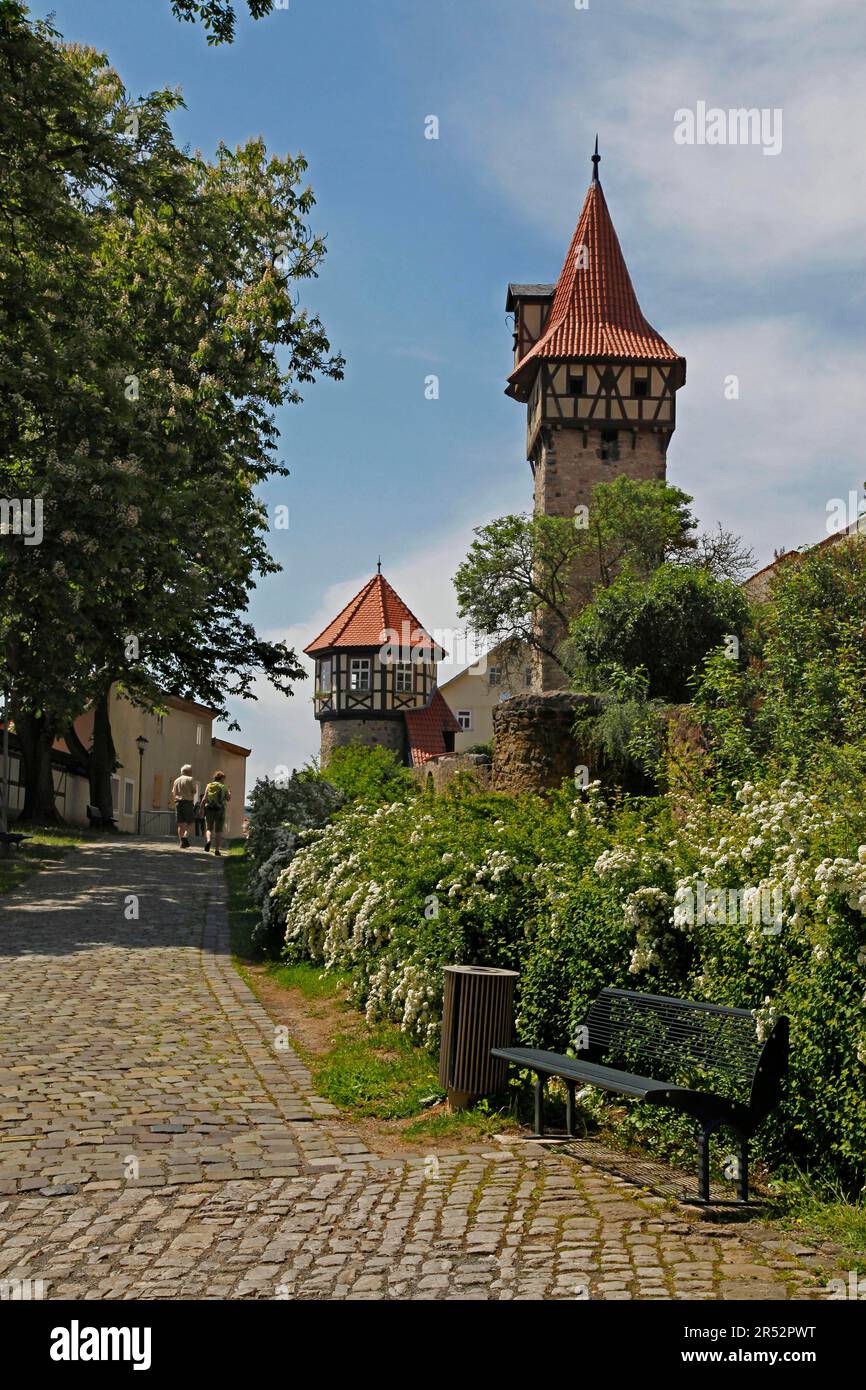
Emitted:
<point x="702" y="1059"/>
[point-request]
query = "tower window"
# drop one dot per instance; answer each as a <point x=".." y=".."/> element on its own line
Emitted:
<point x="609" y="450"/>
<point x="494" y="675"/>
<point x="403" y="677"/>
<point x="325" y="676"/>
<point x="527" y="676"/>
<point x="641" y="387"/>
<point x="359" y="673"/>
<point x="576" y="384"/>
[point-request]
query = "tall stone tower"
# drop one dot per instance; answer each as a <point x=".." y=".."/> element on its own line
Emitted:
<point x="376" y="679"/>
<point x="598" y="381"/>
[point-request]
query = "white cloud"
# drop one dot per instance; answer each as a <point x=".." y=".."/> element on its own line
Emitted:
<point x="726" y="208"/>
<point x="766" y="464"/>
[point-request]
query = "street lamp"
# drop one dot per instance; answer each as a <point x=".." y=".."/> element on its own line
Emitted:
<point x="141" y="744"/>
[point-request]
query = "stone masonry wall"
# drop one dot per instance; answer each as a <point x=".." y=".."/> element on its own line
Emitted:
<point x="565" y="475"/>
<point x="534" y="748"/>
<point x="371" y="733"/>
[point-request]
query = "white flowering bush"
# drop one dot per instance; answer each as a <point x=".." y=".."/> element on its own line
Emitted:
<point x="759" y="902"/>
<point x="280" y="812"/>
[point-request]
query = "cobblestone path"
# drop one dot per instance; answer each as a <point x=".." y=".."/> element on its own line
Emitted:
<point x="157" y="1142"/>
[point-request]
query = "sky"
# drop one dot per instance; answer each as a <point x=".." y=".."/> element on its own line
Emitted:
<point x="750" y="264"/>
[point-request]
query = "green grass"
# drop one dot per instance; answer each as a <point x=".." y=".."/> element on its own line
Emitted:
<point x="479" y="1123"/>
<point x="48" y="845"/>
<point x="374" y="1072"/>
<point x="802" y="1204"/>
<point x="313" y="981"/>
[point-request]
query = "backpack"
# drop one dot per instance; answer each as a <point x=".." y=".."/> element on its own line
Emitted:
<point x="216" y="794"/>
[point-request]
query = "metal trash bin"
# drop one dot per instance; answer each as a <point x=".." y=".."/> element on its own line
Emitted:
<point x="477" y="1015"/>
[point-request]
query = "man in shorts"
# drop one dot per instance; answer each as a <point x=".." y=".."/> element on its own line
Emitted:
<point x="216" y="798"/>
<point x="183" y="791"/>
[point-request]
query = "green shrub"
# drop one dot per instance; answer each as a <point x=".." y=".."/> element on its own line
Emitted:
<point x="575" y="895"/>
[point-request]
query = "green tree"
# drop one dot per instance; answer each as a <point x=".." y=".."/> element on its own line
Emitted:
<point x="181" y="334"/>
<point x="663" y="626"/>
<point x="801" y="700"/>
<point x="218" y="16"/>
<point x="525" y="577"/>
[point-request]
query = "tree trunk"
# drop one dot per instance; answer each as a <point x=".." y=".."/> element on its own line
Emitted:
<point x="36" y="740"/>
<point x="103" y="756"/>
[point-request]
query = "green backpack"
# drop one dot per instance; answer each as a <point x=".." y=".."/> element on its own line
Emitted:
<point x="216" y="794"/>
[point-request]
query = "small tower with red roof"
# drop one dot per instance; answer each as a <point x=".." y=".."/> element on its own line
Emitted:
<point x="375" y="681"/>
<point x="598" y="381"/>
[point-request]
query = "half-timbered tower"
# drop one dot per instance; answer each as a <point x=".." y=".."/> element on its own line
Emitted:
<point x="598" y="381"/>
<point x="375" y="681"/>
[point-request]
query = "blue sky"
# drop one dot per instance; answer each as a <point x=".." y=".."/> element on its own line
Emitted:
<point x="748" y="264"/>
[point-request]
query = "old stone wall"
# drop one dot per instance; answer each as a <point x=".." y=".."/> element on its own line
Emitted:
<point x="443" y="770"/>
<point x="534" y="748"/>
<point x="371" y="733"/>
<point x="566" y="472"/>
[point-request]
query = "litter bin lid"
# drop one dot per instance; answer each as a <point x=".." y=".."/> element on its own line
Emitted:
<point x="479" y="970"/>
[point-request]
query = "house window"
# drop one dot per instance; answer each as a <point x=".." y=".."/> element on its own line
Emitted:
<point x="575" y="385"/>
<point x="325" y="676"/>
<point x="494" y="675"/>
<point x="464" y="718"/>
<point x="641" y="387"/>
<point x="609" y="450"/>
<point x="404" y="677"/>
<point x="160" y="723"/>
<point x="527" y="676"/>
<point x="128" y="797"/>
<point x="115" y="795"/>
<point x="198" y="734"/>
<point x="359" y="673"/>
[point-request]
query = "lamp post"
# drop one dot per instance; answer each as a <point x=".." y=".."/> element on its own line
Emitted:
<point x="141" y="744"/>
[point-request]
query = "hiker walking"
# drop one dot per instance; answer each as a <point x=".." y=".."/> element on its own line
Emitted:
<point x="183" y="791"/>
<point x="216" y="798"/>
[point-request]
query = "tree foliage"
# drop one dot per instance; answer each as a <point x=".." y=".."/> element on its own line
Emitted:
<point x="149" y="327"/>
<point x="218" y="17"/>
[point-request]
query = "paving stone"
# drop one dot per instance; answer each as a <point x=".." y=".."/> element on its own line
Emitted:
<point x="154" y="1145"/>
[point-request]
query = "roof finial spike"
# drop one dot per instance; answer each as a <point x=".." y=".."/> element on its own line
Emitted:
<point x="596" y="160"/>
<point x="379" y="565"/>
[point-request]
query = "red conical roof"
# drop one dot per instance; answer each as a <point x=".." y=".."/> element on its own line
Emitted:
<point x="370" y="619"/>
<point x="595" y="312"/>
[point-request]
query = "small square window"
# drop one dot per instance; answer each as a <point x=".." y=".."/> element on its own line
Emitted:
<point x="641" y="387"/>
<point x="359" y="673"/>
<point x="464" y="718"/>
<point x="576" y="384"/>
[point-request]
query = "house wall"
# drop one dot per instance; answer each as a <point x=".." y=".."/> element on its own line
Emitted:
<point x="473" y="690"/>
<point x="183" y="735"/>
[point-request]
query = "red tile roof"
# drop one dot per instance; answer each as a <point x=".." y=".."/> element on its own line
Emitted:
<point x="370" y="618"/>
<point x="595" y="312"/>
<point x="427" y="727"/>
